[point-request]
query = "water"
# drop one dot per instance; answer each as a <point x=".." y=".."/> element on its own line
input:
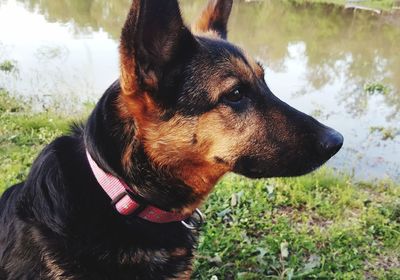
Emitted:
<point x="322" y="59"/>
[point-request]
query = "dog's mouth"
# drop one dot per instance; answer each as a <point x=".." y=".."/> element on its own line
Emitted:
<point x="257" y="168"/>
<point x="290" y="164"/>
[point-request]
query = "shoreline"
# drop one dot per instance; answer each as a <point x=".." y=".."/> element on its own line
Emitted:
<point x="375" y="6"/>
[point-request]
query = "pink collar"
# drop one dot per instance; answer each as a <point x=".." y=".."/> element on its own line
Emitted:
<point x="123" y="202"/>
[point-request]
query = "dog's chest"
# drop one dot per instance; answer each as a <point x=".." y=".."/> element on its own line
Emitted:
<point x="139" y="263"/>
<point x="155" y="259"/>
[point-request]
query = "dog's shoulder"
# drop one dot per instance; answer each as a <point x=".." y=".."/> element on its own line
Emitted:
<point x="42" y="197"/>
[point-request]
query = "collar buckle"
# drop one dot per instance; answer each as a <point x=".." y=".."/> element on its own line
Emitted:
<point x="141" y="204"/>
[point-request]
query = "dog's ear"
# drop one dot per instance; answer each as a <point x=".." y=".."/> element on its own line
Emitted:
<point x="215" y="18"/>
<point x="154" y="39"/>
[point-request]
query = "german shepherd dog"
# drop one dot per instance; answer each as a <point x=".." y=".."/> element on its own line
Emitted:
<point x="187" y="108"/>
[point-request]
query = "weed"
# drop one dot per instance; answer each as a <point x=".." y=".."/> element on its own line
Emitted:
<point x="387" y="133"/>
<point x="8" y="66"/>
<point x="376" y="88"/>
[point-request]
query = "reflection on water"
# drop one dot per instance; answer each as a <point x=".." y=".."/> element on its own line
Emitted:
<point x="87" y="16"/>
<point x="321" y="58"/>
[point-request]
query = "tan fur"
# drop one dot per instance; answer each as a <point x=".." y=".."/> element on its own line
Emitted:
<point x="203" y="22"/>
<point x="185" y="275"/>
<point x="129" y="79"/>
<point x="169" y="144"/>
<point x="53" y="270"/>
<point x="215" y="11"/>
<point x="220" y="137"/>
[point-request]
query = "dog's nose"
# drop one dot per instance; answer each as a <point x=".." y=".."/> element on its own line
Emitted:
<point x="330" y="143"/>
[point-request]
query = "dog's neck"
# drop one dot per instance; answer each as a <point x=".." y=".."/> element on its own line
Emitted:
<point x="107" y="137"/>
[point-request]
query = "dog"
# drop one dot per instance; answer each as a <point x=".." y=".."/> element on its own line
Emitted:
<point x="117" y="197"/>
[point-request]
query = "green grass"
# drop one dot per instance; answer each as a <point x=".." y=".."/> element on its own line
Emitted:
<point x="333" y="229"/>
<point x="320" y="226"/>
<point x="22" y="135"/>
<point x="8" y="66"/>
<point x="385" y="5"/>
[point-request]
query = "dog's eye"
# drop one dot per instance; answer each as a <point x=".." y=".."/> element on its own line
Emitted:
<point x="234" y="96"/>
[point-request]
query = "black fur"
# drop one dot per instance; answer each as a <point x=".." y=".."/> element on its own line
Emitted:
<point x="59" y="223"/>
<point x="105" y="140"/>
<point x="61" y="216"/>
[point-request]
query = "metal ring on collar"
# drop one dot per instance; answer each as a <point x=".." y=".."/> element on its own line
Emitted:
<point x="192" y="225"/>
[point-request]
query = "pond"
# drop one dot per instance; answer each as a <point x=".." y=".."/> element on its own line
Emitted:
<point x="340" y="65"/>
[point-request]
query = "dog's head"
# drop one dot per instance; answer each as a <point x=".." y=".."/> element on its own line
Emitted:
<point x="201" y="105"/>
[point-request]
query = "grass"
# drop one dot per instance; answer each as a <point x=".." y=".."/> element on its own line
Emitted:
<point x="331" y="227"/>
<point x="22" y="135"/>
<point x="7" y="66"/>
<point x="320" y="226"/>
<point x="385" y="5"/>
<point x="376" y="88"/>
